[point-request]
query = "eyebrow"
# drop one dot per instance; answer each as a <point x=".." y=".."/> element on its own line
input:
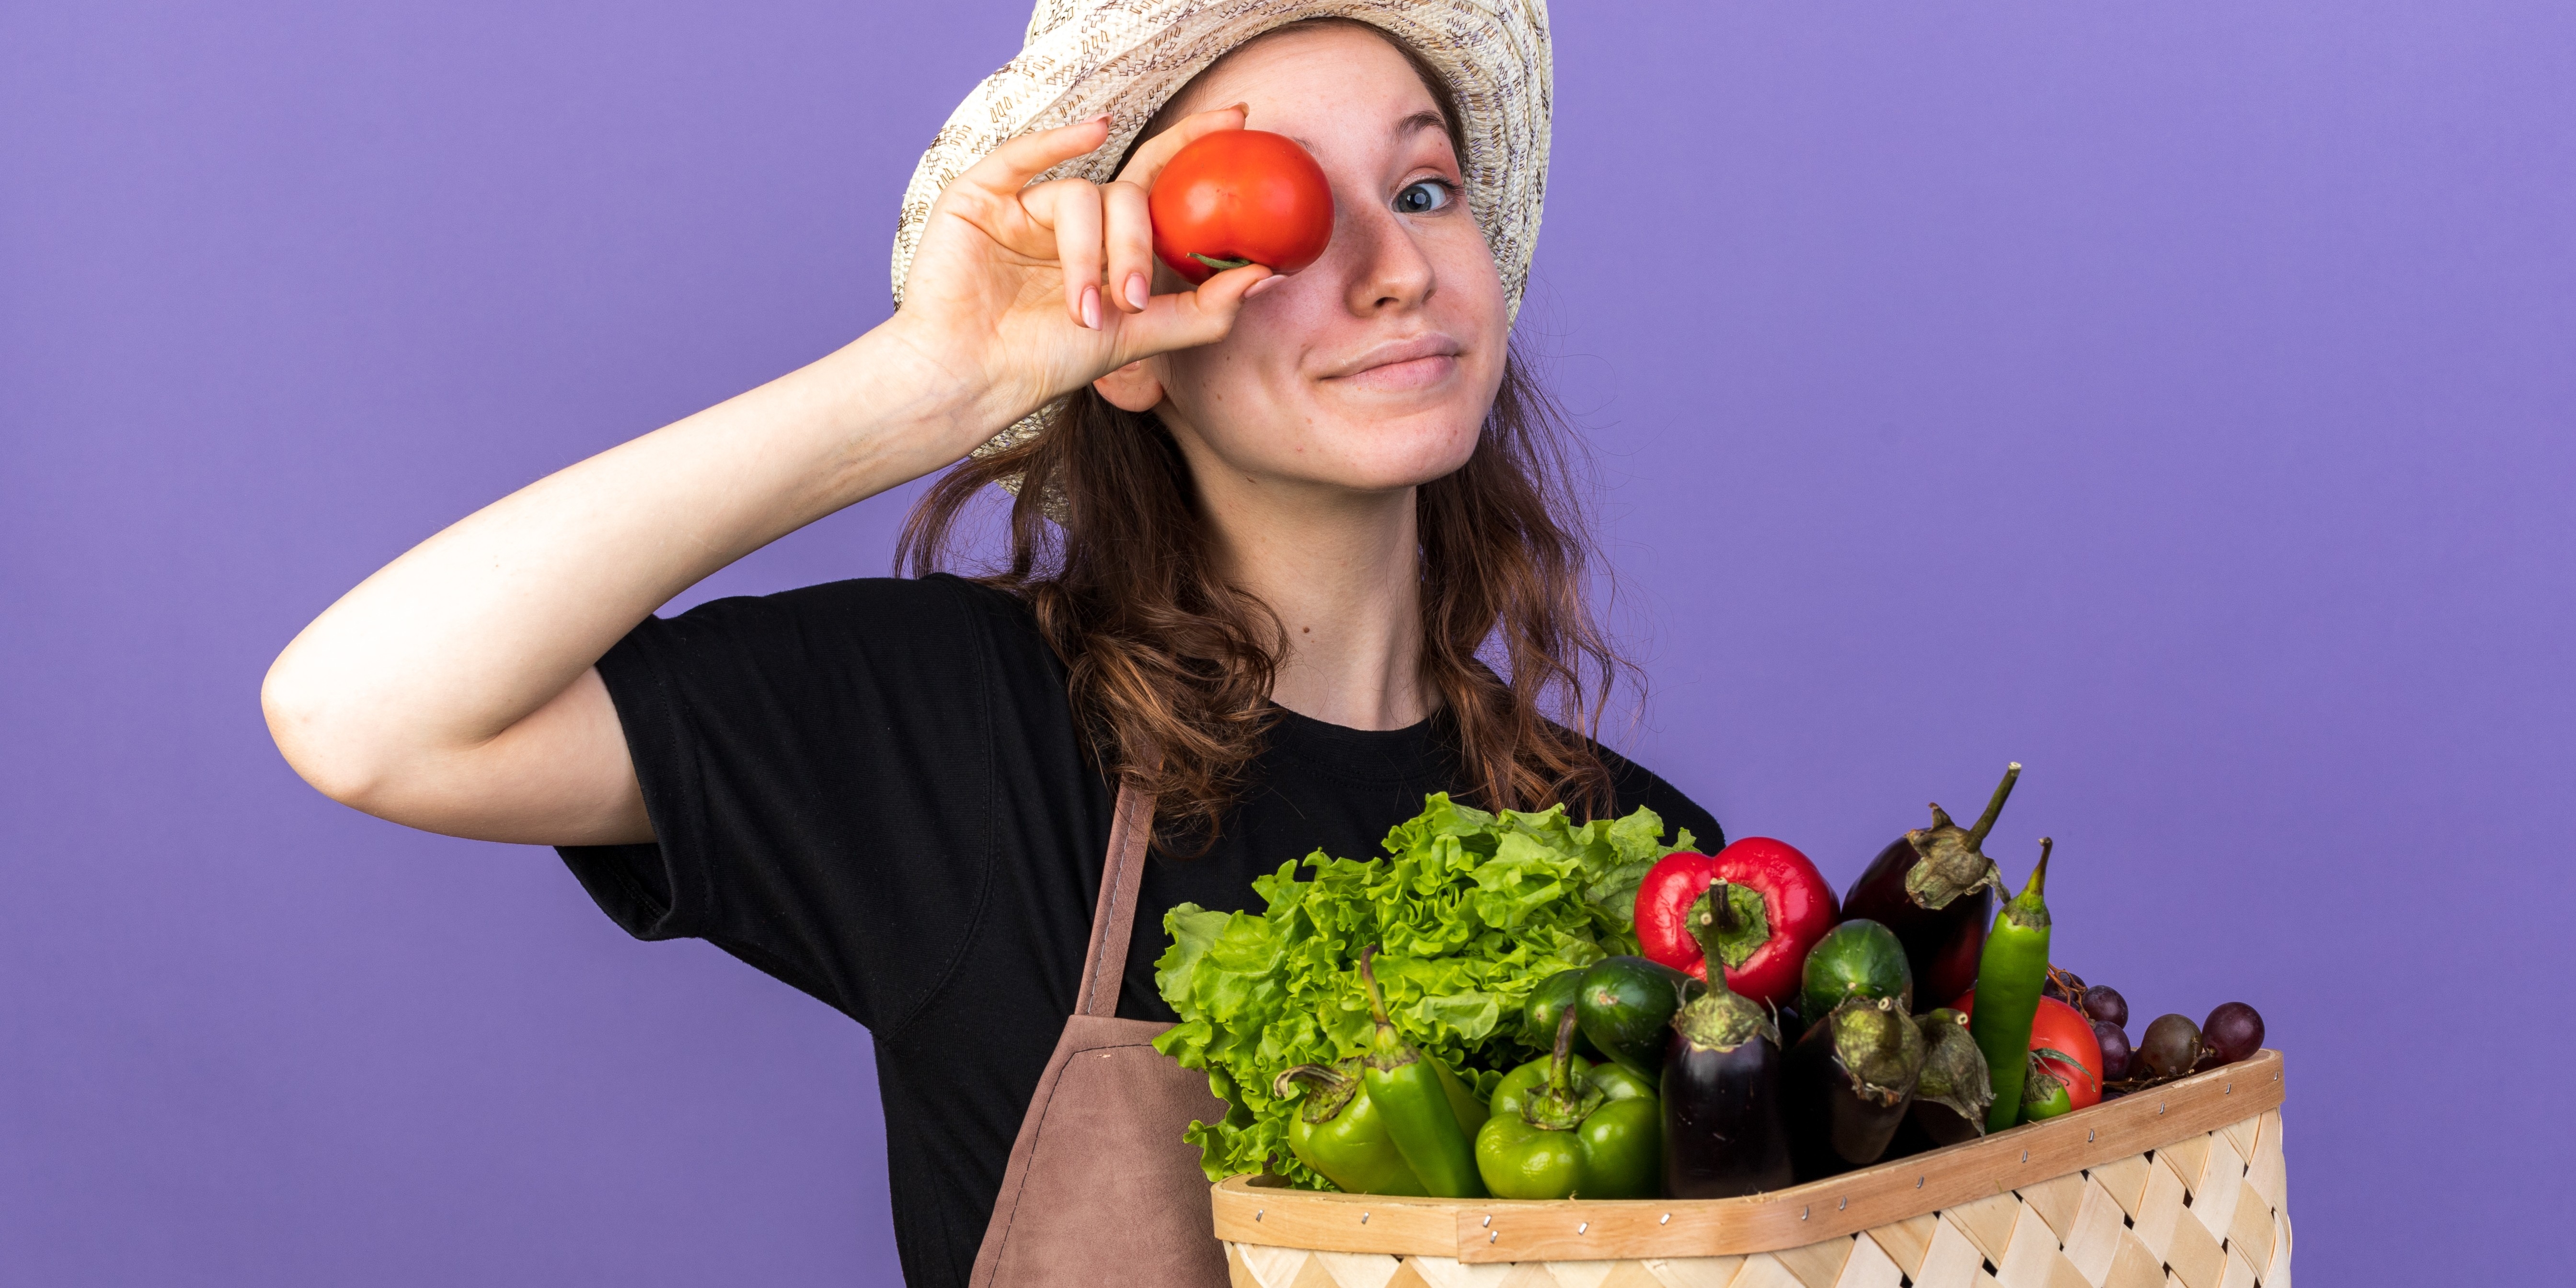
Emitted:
<point x="1420" y="121"/>
<point x="1406" y="128"/>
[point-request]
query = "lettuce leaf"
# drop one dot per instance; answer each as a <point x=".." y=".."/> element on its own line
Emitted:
<point x="1470" y="911"/>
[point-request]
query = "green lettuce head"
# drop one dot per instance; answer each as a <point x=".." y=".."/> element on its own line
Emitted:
<point x="1470" y="911"/>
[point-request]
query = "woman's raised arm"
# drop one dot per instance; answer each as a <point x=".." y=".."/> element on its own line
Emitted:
<point x="454" y="690"/>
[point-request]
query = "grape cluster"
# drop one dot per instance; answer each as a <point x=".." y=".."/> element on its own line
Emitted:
<point x="2172" y="1045"/>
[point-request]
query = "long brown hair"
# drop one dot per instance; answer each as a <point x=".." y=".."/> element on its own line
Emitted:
<point x="1172" y="667"/>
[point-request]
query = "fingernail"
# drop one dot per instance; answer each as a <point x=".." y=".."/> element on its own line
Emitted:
<point x="1262" y="285"/>
<point x="1137" y="294"/>
<point x="1102" y="119"/>
<point x="1091" y="307"/>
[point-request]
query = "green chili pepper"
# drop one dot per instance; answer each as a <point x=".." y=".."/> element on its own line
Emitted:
<point x="1470" y="1111"/>
<point x="1562" y="1129"/>
<point x="1340" y="1134"/>
<point x="2009" y="978"/>
<point x="1414" y="1094"/>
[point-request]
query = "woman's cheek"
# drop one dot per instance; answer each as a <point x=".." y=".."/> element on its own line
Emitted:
<point x="1472" y="298"/>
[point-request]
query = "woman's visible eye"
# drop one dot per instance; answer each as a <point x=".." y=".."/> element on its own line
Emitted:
<point x="1424" y="196"/>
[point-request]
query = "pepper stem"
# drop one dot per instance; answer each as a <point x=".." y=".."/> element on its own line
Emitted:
<point x="1322" y="1078"/>
<point x="1560" y="1064"/>
<point x="1562" y="1106"/>
<point x="2027" y="909"/>
<point x="1994" y="807"/>
<point x="1730" y="921"/>
<point x="1388" y="1050"/>
<point x="1332" y="1089"/>
<point x="1368" y="980"/>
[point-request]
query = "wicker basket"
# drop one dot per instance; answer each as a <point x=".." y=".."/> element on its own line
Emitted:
<point x="2183" y="1184"/>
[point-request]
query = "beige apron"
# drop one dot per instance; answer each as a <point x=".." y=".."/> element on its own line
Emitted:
<point x="1101" y="1188"/>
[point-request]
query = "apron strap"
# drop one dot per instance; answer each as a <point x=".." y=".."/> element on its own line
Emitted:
<point x="1122" y="879"/>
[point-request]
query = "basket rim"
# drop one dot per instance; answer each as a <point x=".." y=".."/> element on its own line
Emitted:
<point x="1264" y="1210"/>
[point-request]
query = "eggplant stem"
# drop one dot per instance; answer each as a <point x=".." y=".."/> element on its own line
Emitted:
<point x="1994" y="806"/>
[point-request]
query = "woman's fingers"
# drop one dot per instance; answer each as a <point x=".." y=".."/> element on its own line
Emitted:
<point x="1128" y="230"/>
<point x="1007" y="169"/>
<point x="1157" y="151"/>
<point x="1070" y="208"/>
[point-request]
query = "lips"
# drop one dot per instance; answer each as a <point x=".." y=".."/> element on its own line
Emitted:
<point x="1379" y="358"/>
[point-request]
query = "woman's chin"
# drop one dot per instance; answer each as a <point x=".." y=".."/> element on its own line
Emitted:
<point x="1390" y="456"/>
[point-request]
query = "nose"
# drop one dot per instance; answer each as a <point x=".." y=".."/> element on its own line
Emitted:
<point x="1388" y="272"/>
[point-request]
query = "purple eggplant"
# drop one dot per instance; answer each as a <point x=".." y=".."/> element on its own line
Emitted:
<point x="1850" y="1082"/>
<point x="1952" y="1092"/>
<point x="1724" y="1133"/>
<point x="1936" y="890"/>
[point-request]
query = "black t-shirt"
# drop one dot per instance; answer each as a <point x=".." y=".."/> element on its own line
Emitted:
<point x="874" y="791"/>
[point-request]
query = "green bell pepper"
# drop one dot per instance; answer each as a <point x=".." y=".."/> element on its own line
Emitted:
<point x="1339" y="1133"/>
<point x="1563" y="1127"/>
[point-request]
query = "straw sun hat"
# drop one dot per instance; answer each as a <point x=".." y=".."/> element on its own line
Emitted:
<point x="1081" y="58"/>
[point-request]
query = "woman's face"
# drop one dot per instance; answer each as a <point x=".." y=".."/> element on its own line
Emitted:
<point x="1372" y="369"/>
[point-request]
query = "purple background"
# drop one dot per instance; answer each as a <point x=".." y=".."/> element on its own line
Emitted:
<point x="2172" y="397"/>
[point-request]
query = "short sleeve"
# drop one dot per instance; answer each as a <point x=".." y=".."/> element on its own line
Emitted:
<point x="817" y="768"/>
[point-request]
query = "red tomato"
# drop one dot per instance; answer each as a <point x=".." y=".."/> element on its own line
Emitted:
<point x="2059" y="1027"/>
<point x="1245" y="195"/>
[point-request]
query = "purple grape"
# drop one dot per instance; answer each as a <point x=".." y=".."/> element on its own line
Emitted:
<point x="2115" y="1050"/>
<point x="2233" y="1032"/>
<point x="2072" y="988"/>
<point x="2171" y="1046"/>
<point x="2104" y="1003"/>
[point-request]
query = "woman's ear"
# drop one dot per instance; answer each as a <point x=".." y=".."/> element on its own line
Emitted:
<point x="1134" y="387"/>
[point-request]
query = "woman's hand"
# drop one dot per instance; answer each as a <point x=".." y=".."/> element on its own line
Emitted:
<point x="1024" y="293"/>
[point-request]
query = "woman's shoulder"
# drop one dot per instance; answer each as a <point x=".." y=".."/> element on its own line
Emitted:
<point x="1636" y="786"/>
<point x="927" y="598"/>
<point x="940" y="630"/>
<point x="938" y="610"/>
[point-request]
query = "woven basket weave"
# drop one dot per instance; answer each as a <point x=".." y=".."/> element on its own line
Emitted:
<point x="2180" y="1185"/>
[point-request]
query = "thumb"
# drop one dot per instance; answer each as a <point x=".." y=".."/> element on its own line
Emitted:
<point x="1185" y="319"/>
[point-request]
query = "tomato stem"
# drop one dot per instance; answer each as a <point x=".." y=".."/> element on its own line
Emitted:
<point x="1219" y="265"/>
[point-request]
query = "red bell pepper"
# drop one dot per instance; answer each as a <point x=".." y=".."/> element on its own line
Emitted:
<point x="1757" y="906"/>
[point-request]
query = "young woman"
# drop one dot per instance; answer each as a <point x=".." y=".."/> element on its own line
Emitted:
<point x="1291" y="517"/>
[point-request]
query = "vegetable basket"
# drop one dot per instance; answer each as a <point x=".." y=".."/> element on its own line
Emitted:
<point x="2182" y="1183"/>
